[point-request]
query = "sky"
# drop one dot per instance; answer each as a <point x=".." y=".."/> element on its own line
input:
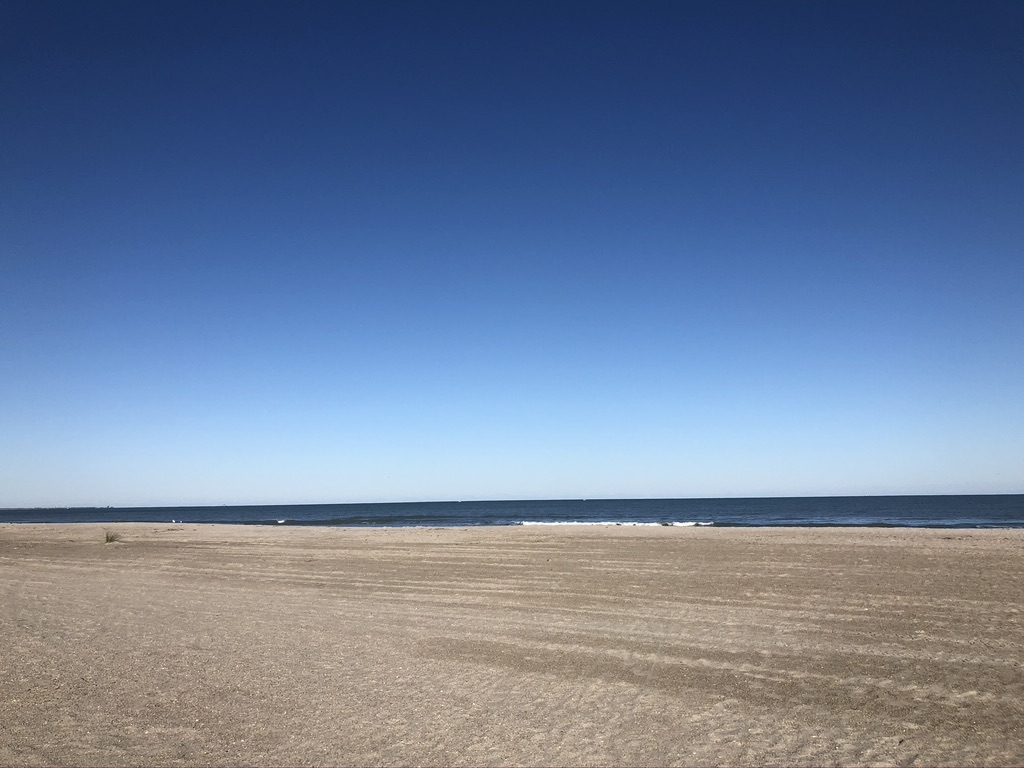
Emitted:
<point x="258" y="252"/>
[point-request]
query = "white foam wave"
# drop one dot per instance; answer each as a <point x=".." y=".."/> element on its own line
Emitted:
<point x="611" y="522"/>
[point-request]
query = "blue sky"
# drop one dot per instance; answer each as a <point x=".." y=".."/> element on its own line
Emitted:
<point x="317" y="252"/>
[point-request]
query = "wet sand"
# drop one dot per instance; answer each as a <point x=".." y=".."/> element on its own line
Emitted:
<point x="224" y="645"/>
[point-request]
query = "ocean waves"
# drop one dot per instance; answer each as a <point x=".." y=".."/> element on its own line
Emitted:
<point x="680" y="524"/>
<point x="1006" y="511"/>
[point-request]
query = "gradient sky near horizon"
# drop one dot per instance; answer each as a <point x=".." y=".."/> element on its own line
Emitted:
<point x="260" y="252"/>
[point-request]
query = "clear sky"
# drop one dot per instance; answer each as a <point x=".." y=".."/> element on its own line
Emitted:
<point x="324" y="252"/>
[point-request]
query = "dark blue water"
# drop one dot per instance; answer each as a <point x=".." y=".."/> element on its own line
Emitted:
<point x="1005" y="511"/>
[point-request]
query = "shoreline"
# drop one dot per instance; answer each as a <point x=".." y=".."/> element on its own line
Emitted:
<point x="219" y="644"/>
<point x="537" y="524"/>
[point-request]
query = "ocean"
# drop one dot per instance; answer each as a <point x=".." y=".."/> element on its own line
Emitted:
<point x="988" y="511"/>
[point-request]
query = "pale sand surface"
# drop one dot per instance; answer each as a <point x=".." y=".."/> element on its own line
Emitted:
<point x="217" y="645"/>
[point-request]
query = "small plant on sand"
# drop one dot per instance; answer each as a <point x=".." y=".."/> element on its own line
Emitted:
<point x="111" y="536"/>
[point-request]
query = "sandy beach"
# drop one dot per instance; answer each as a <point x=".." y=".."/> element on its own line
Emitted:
<point x="225" y="645"/>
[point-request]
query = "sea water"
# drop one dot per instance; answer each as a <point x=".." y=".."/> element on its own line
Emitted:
<point x="987" y="511"/>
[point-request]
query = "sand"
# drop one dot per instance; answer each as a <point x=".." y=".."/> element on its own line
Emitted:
<point x="225" y="645"/>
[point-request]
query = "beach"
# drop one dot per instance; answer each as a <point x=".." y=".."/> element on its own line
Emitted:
<point x="257" y="645"/>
